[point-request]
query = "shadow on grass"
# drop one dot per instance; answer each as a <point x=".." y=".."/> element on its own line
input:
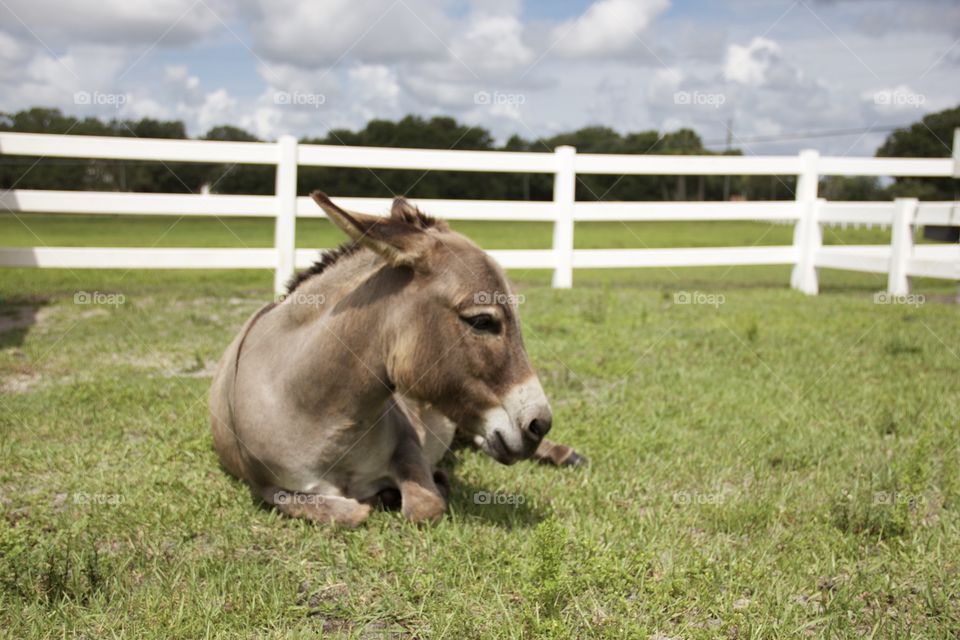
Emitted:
<point x="506" y="510"/>
<point x="467" y="500"/>
<point x="17" y="317"/>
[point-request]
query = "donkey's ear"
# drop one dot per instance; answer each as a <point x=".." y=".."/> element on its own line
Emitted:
<point x="403" y="210"/>
<point x="395" y="240"/>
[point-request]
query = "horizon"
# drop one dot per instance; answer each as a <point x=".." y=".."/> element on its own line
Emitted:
<point x="709" y="147"/>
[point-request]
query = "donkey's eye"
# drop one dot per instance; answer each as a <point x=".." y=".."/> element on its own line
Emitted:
<point x="483" y="322"/>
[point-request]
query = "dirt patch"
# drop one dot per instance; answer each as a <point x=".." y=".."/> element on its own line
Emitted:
<point x="941" y="298"/>
<point x="143" y="362"/>
<point x="19" y="382"/>
<point x="94" y="313"/>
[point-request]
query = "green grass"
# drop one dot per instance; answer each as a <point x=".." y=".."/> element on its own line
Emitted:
<point x="774" y="465"/>
<point x="62" y="230"/>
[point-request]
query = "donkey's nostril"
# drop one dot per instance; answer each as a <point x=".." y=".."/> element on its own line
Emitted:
<point x="539" y="427"/>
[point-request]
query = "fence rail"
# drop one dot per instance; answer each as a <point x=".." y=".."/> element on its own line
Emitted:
<point x="807" y="212"/>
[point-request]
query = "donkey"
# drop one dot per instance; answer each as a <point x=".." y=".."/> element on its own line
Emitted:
<point x="352" y="388"/>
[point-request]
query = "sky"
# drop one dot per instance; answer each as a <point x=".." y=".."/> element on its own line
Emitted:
<point x="766" y="72"/>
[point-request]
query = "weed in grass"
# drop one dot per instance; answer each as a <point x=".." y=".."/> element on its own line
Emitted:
<point x="548" y="582"/>
<point x="197" y="365"/>
<point x="47" y="572"/>
<point x="898" y="346"/>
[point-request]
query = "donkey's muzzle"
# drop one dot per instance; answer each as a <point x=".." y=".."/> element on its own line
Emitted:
<point x="539" y="427"/>
<point x="532" y="433"/>
<point x="515" y="429"/>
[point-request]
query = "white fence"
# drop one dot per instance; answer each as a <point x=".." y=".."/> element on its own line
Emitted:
<point x="807" y="212"/>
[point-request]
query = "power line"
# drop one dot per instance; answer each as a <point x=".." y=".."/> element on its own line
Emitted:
<point x="807" y="135"/>
<point x="726" y="143"/>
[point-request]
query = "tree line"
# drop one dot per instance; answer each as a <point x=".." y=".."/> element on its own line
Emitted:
<point x="930" y="137"/>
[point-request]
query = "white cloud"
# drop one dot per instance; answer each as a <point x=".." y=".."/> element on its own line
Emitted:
<point x="667" y="79"/>
<point x="374" y="83"/>
<point x="264" y="122"/>
<point x="750" y="64"/>
<point x="12" y="57"/>
<point x="492" y="41"/>
<point x="185" y="99"/>
<point x="438" y="85"/>
<point x="608" y="27"/>
<point x="894" y="16"/>
<point x="146" y="107"/>
<point x="312" y="34"/>
<point x="147" y="22"/>
<point x="9" y="48"/>
<point x="218" y="107"/>
<point x="373" y="91"/>
<point x="39" y="78"/>
<point x="180" y="74"/>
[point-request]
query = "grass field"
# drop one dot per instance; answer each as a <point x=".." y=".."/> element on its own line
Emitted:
<point x="762" y="465"/>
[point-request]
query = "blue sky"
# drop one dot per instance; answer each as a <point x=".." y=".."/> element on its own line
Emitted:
<point x="532" y="67"/>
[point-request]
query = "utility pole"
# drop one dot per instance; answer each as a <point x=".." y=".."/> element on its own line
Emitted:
<point x="726" y="178"/>
<point x="956" y="153"/>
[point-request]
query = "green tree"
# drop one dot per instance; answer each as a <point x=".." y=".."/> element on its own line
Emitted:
<point x="256" y="179"/>
<point x="102" y="175"/>
<point x="931" y="137"/>
<point x="857" y="188"/>
<point x="26" y="172"/>
<point x="410" y="132"/>
<point x="159" y="176"/>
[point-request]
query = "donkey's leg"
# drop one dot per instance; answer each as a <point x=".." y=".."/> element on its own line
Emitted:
<point x="317" y="507"/>
<point x="549" y="452"/>
<point x="421" y="499"/>
<point x="559" y="455"/>
<point x="442" y="479"/>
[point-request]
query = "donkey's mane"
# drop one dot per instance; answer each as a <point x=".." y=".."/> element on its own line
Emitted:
<point x="327" y="259"/>
<point x="330" y="257"/>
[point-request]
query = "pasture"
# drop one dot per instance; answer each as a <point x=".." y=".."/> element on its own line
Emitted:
<point x="763" y="464"/>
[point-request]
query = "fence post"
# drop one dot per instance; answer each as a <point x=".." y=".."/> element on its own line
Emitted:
<point x="564" y="195"/>
<point x="284" y="237"/>
<point x="807" y="234"/>
<point x="901" y="245"/>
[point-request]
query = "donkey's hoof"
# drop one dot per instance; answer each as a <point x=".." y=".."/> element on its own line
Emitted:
<point x="355" y="517"/>
<point x="422" y="505"/>
<point x="575" y="460"/>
